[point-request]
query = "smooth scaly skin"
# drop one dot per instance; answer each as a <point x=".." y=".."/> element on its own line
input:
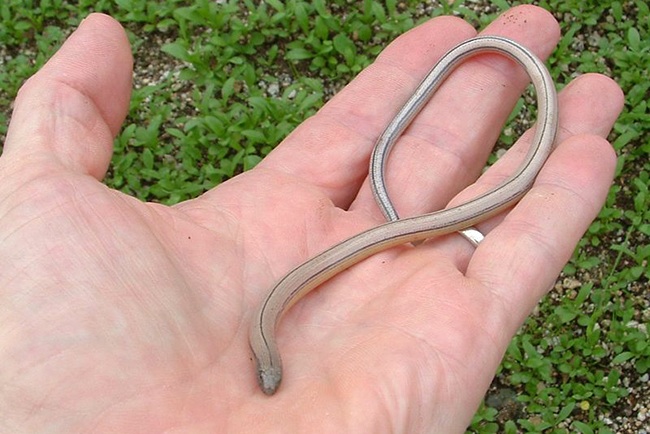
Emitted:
<point x="304" y="278"/>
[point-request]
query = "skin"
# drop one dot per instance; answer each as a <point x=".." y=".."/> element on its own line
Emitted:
<point x="121" y="316"/>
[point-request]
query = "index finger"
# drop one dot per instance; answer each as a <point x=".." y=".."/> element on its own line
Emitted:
<point x="331" y="149"/>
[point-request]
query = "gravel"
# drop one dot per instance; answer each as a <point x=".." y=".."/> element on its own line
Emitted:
<point x="152" y="66"/>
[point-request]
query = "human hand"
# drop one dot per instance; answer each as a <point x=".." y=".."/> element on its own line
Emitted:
<point x="120" y="316"/>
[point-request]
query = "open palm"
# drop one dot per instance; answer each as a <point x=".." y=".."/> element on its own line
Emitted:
<point x="121" y="316"/>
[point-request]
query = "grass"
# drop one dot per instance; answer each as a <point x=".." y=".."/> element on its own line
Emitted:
<point x="240" y="75"/>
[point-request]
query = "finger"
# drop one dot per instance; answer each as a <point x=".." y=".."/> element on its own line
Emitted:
<point x="72" y="108"/>
<point x="330" y="151"/>
<point x="588" y="105"/>
<point x="528" y="249"/>
<point x="447" y="145"/>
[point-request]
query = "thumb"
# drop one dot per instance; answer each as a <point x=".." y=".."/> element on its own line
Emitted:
<point x="69" y="111"/>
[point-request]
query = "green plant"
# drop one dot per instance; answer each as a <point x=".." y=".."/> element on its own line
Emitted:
<point x="220" y="83"/>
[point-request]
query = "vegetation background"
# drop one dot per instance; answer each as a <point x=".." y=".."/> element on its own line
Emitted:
<point x="220" y="82"/>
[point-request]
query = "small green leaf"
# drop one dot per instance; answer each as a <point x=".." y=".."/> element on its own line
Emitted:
<point x="565" y="314"/>
<point x="147" y="158"/>
<point x="176" y="50"/>
<point x="503" y="5"/>
<point x="345" y="46"/>
<point x="582" y="428"/>
<point x="228" y="88"/>
<point x="565" y="411"/>
<point x="379" y="12"/>
<point x="622" y="358"/>
<point x="633" y="38"/>
<point x="319" y="5"/>
<point x="300" y="12"/>
<point x="277" y="5"/>
<point x="298" y="54"/>
<point x="617" y="10"/>
<point x="255" y="136"/>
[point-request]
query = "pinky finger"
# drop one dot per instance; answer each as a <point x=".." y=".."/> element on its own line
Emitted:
<point x="524" y="254"/>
